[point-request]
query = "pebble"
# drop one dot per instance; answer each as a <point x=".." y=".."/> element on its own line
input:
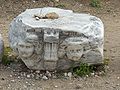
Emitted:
<point x="101" y="73"/>
<point x="28" y="76"/>
<point x="37" y="18"/>
<point x="65" y="74"/>
<point x="118" y="85"/>
<point x="69" y="74"/>
<point x="24" y="86"/>
<point x="24" y="74"/>
<point x="107" y="82"/>
<point x="33" y="84"/>
<point x="32" y="75"/>
<point x="118" y="77"/>
<point x="18" y="77"/>
<point x="92" y="74"/>
<point x="56" y="86"/>
<point x="12" y="80"/>
<point x="57" y="0"/>
<point x="97" y="76"/>
<point x="37" y="71"/>
<point x="54" y="77"/>
<point x="26" y="82"/>
<point x="10" y="75"/>
<point x="48" y="74"/>
<point x="45" y="78"/>
<point x="81" y="5"/>
<point x="87" y="75"/>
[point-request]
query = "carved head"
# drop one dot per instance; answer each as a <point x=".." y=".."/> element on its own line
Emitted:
<point x="25" y="49"/>
<point x="74" y="50"/>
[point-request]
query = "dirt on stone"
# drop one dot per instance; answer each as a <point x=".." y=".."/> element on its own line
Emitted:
<point x="109" y="13"/>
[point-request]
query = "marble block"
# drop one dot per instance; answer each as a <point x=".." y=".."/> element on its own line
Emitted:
<point x="1" y="47"/>
<point x="56" y="39"/>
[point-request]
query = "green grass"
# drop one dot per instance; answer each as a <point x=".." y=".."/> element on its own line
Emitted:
<point x="5" y="59"/>
<point x="95" y="3"/>
<point x="106" y="61"/>
<point x="83" y="70"/>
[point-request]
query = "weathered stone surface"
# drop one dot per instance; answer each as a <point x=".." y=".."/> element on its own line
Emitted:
<point x="1" y="47"/>
<point x="52" y="38"/>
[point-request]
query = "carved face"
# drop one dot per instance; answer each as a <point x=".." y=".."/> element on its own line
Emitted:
<point x="74" y="52"/>
<point x="25" y="49"/>
<point x="51" y="35"/>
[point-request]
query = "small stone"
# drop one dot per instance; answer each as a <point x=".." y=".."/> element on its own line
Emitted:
<point x="92" y="74"/>
<point x="10" y="75"/>
<point x="54" y="77"/>
<point x="9" y="85"/>
<point x="65" y="74"/>
<point x="24" y="86"/>
<point x="34" y="1"/>
<point x="118" y="77"/>
<point x="107" y="67"/>
<point x="56" y="86"/>
<point x="45" y="78"/>
<point x="97" y="76"/>
<point x="37" y="71"/>
<point x="114" y="15"/>
<point x="28" y="76"/>
<point x="18" y="77"/>
<point x="118" y="85"/>
<point x="26" y="82"/>
<point x="69" y="74"/>
<point x="33" y="84"/>
<point x="24" y="74"/>
<point x="71" y="83"/>
<point x="87" y="75"/>
<point x="32" y="75"/>
<point x="37" y="18"/>
<point x="31" y="71"/>
<point x="57" y="0"/>
<point x="12" y="80"/>
<point x="48" y="74"/>
<point x="107" y="82"/>
<point x="81" y="5"/>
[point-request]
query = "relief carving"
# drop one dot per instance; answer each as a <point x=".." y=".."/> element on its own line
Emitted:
<point x="51" y="40"/>
<point x="71" y="48"/>
<point x="47" y="43"/>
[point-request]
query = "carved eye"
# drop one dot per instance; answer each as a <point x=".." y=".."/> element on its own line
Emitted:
<point x="78" y="50"/>
<point x="54" y="32"/>
<point x="48" y="32"/>
<point x="72" y="50"/>
<point x="28" y="46"/>
<point x="21" y="46"/>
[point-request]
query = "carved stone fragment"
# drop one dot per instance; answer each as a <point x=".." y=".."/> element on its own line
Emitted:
<point x="58" y="39"/>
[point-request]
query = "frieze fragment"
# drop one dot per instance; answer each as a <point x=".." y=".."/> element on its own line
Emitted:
<point x="56" y="39"/>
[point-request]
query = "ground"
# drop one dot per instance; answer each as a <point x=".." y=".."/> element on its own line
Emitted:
<point x="109" y="14"/>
